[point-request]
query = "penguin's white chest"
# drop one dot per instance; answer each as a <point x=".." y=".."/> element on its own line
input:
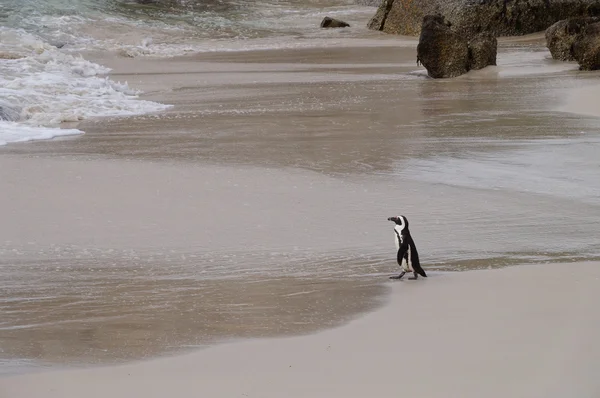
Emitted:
<point x="407" y="259"/>
<point x="397" y="236"/>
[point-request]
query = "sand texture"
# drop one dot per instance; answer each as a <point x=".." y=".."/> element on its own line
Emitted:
<point x="584" y="100"/>
<point x="529" y="331"/>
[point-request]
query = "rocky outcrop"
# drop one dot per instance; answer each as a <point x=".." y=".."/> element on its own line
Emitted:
<point x="470" y="17"/>
<point x="586" y="47"/>
<point x="445" y="53"/>
<point x="402" y="17"/>
<point x="561" y="36"/>
<point x="482" y="51"/>
<point x="576" y="39"/>
<point x="328" y="22"/>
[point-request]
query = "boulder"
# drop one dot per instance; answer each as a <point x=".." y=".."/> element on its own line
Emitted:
<point x="441" y="51"/>
<point x="328" y="22"/>
<point x="561" y="36"/>
<point x="482" y="51"/>
<point x="586" y="47"/>
<point x="445" y="53"/>
<point x="470" y="17"/>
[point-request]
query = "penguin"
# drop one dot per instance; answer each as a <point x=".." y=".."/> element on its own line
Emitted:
<point x="408" y="257"/>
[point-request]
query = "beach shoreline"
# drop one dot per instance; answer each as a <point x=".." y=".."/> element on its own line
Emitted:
<point x="532" y="325"/>
<point x="280" y="98"/>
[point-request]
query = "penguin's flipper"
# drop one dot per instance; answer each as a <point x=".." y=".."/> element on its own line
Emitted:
<point x="416" y="264"/>
<point x="419" y="270"/>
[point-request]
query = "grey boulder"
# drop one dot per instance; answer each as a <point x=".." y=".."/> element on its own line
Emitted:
<point x="328" y="22"/>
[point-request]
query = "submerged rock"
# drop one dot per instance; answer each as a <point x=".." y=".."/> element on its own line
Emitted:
<point x="470" y="17"/>
<point x="586" y="47"/>
<point x="328" y="22"/>
<point x="561" y="36"/>
<point x="445" y="53"/>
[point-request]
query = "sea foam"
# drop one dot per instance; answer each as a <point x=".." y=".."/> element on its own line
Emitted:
<point x="41" y="87"/>
<point x="15" y="132"/>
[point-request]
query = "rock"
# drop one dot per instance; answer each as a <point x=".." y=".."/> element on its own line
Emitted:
<point x="586" y="47"/>
<point x="561" y="36"/>
<point x="333" y="23"/>
<point x="402" y="17"/>
<point x="445" y="53"/>
<point x="441" y="51"/>
<point x="470" y="17"/>
<point x="482" y="51"/>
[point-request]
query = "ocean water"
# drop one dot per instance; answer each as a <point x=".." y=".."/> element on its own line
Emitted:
<point x="47" y="82"/>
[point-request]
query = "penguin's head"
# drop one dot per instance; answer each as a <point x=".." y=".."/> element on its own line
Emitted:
<point x="400" y="220"/>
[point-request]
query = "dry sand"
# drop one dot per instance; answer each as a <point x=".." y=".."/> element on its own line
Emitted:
<point x="528" y="331"/>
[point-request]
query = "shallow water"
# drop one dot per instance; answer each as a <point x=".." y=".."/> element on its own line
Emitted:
<point x="256" y="205"/>
<point x="44" y="81"/>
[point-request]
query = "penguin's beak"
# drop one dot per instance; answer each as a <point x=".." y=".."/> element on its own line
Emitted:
<point x="394" y="219"/>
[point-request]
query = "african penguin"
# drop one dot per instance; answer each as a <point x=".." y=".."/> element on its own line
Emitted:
<point x="408" y="257"/>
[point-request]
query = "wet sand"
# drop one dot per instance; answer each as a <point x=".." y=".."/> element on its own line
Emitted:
<point x="584" y="101"/>
<point x="519" y="331"/>
<point x="256" y="206"/>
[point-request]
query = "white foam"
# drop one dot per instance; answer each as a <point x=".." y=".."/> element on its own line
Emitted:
<point x="263" y="26"/>
<point x="41" y="87"/>
<point x="15" y="132"/>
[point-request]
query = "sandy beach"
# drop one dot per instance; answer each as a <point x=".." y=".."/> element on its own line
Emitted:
<point x="526" y="331"/>
<point x="236" y="243"/>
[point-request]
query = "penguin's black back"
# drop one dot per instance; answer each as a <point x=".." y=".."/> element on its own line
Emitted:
<point x="414" y="254"/>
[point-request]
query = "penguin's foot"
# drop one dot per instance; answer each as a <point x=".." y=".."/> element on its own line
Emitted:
<point x="398" y="277"/>
<point x="414" y="277"/>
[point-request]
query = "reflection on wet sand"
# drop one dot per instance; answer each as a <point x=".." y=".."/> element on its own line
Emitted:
<point x="116" y="313"/>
